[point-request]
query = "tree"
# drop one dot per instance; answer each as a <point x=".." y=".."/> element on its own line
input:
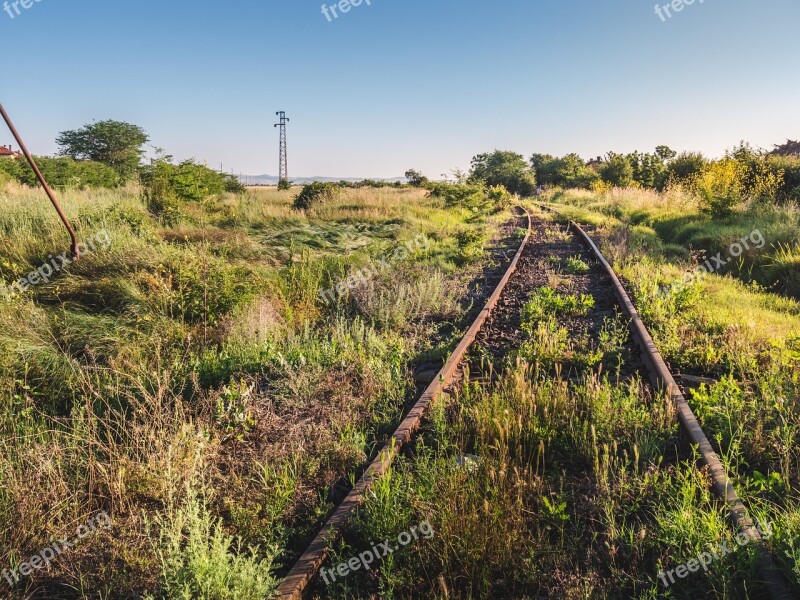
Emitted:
<point x="540" y="160"/>
<point x="650" y="170"/>
<point x="686" y="165"/>
<point x="617" y="171"/>
<point x="415" y="178"/>
<point x="507" y="169"/>
<point x="665" y="153"/>
<point x="569" y="171"/>
<point x="114" y="143"/>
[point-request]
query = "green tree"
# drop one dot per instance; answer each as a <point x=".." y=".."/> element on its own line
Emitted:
<point x="540" y="160"/>
<point x="507" y="169"/>
<point x="114" y="143"/>
<point x="416" y="179"/>
<point x="665" y="153"/>
<point x="546" y="168"/>
<point x="686" y="165"/>
<point x="617" y="170"/>
<point x="569" y="171"/>
<point x="650" y="170"/>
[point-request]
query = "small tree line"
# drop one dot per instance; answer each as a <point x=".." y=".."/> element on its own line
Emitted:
<point x="744" y="174"/>
<point x="108" y="154"/>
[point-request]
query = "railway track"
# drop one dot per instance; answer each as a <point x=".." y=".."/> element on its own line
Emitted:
<point x="494" y="328"/>
<point x="662" y="378"/>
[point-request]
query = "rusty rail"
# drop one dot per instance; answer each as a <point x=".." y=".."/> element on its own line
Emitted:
<point x="43" y="182"/>
<point x="311" y="560"/>
<point x="661" y="377"/>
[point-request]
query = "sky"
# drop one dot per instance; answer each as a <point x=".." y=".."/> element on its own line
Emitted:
<point x="400" y="84"/>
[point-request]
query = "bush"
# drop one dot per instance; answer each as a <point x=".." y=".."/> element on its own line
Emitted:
<point x="62" y="172"/>
<point x="166" y="185"/>
<point x="472" y="196"/>
<point x="284" y="184"/>
<point x="719" y="185"/>
<point x="601" y="187"/>
<point x="499" y="197"/>
<point x="203" y="289"/>
<point x="470" y="245"/>
<point x="199" y="560"/>
<point x="316" y="193"/>
<point x="790" y="166"/>
<point x="4" y="179"/>
<point x="188" y="180"/>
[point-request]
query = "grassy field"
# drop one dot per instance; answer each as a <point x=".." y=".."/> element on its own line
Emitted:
<point x="189" y="379"/>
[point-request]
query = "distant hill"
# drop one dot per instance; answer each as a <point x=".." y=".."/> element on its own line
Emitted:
<point x="273" y="180"/>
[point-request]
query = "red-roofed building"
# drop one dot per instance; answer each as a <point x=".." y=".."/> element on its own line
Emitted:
<point x="8" y="152"/>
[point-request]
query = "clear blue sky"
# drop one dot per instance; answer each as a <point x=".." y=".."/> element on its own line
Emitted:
<point x="404" y="83"/>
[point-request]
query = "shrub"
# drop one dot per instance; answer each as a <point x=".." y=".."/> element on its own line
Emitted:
<point x="62" y="172"/>
<point x="284" y="184"/>
<point x="470" y="245"/>
<point x="499" y="197"/>
<point x="790" y="166"/>
<point x="233" y="185"/>
<point x="5" y="178"/>
<point x="765" y="182"/>
<point x="193" y="182"/>
<point x="601" y="187"/>
<point x="166" y="185"/>
<point x="188" y="180"/>
<point x="719" y="185"/>
<point x="204" y="289"/>
<point x="199" y="560"/>
<point x="472" y="196"/>
<point x="316" y="193"/>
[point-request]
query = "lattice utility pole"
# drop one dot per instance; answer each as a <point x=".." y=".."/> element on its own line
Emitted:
<point x="283" y="166"/>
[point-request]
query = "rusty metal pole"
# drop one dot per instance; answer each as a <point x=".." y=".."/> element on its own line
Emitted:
<point x="40" y="177"/>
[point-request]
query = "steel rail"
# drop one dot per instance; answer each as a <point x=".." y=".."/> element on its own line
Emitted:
<point x="292" y="587"/>
<point x="43" y="182"/>
<point x="662" y="378"/>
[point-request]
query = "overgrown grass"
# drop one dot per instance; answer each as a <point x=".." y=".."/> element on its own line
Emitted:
<point x="730" y="329"/>
<point x="198" y="348"/>
<point x="673" y="225"/>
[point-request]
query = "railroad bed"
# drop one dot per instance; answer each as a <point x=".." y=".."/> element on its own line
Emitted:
<point x="558" y="306"/>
